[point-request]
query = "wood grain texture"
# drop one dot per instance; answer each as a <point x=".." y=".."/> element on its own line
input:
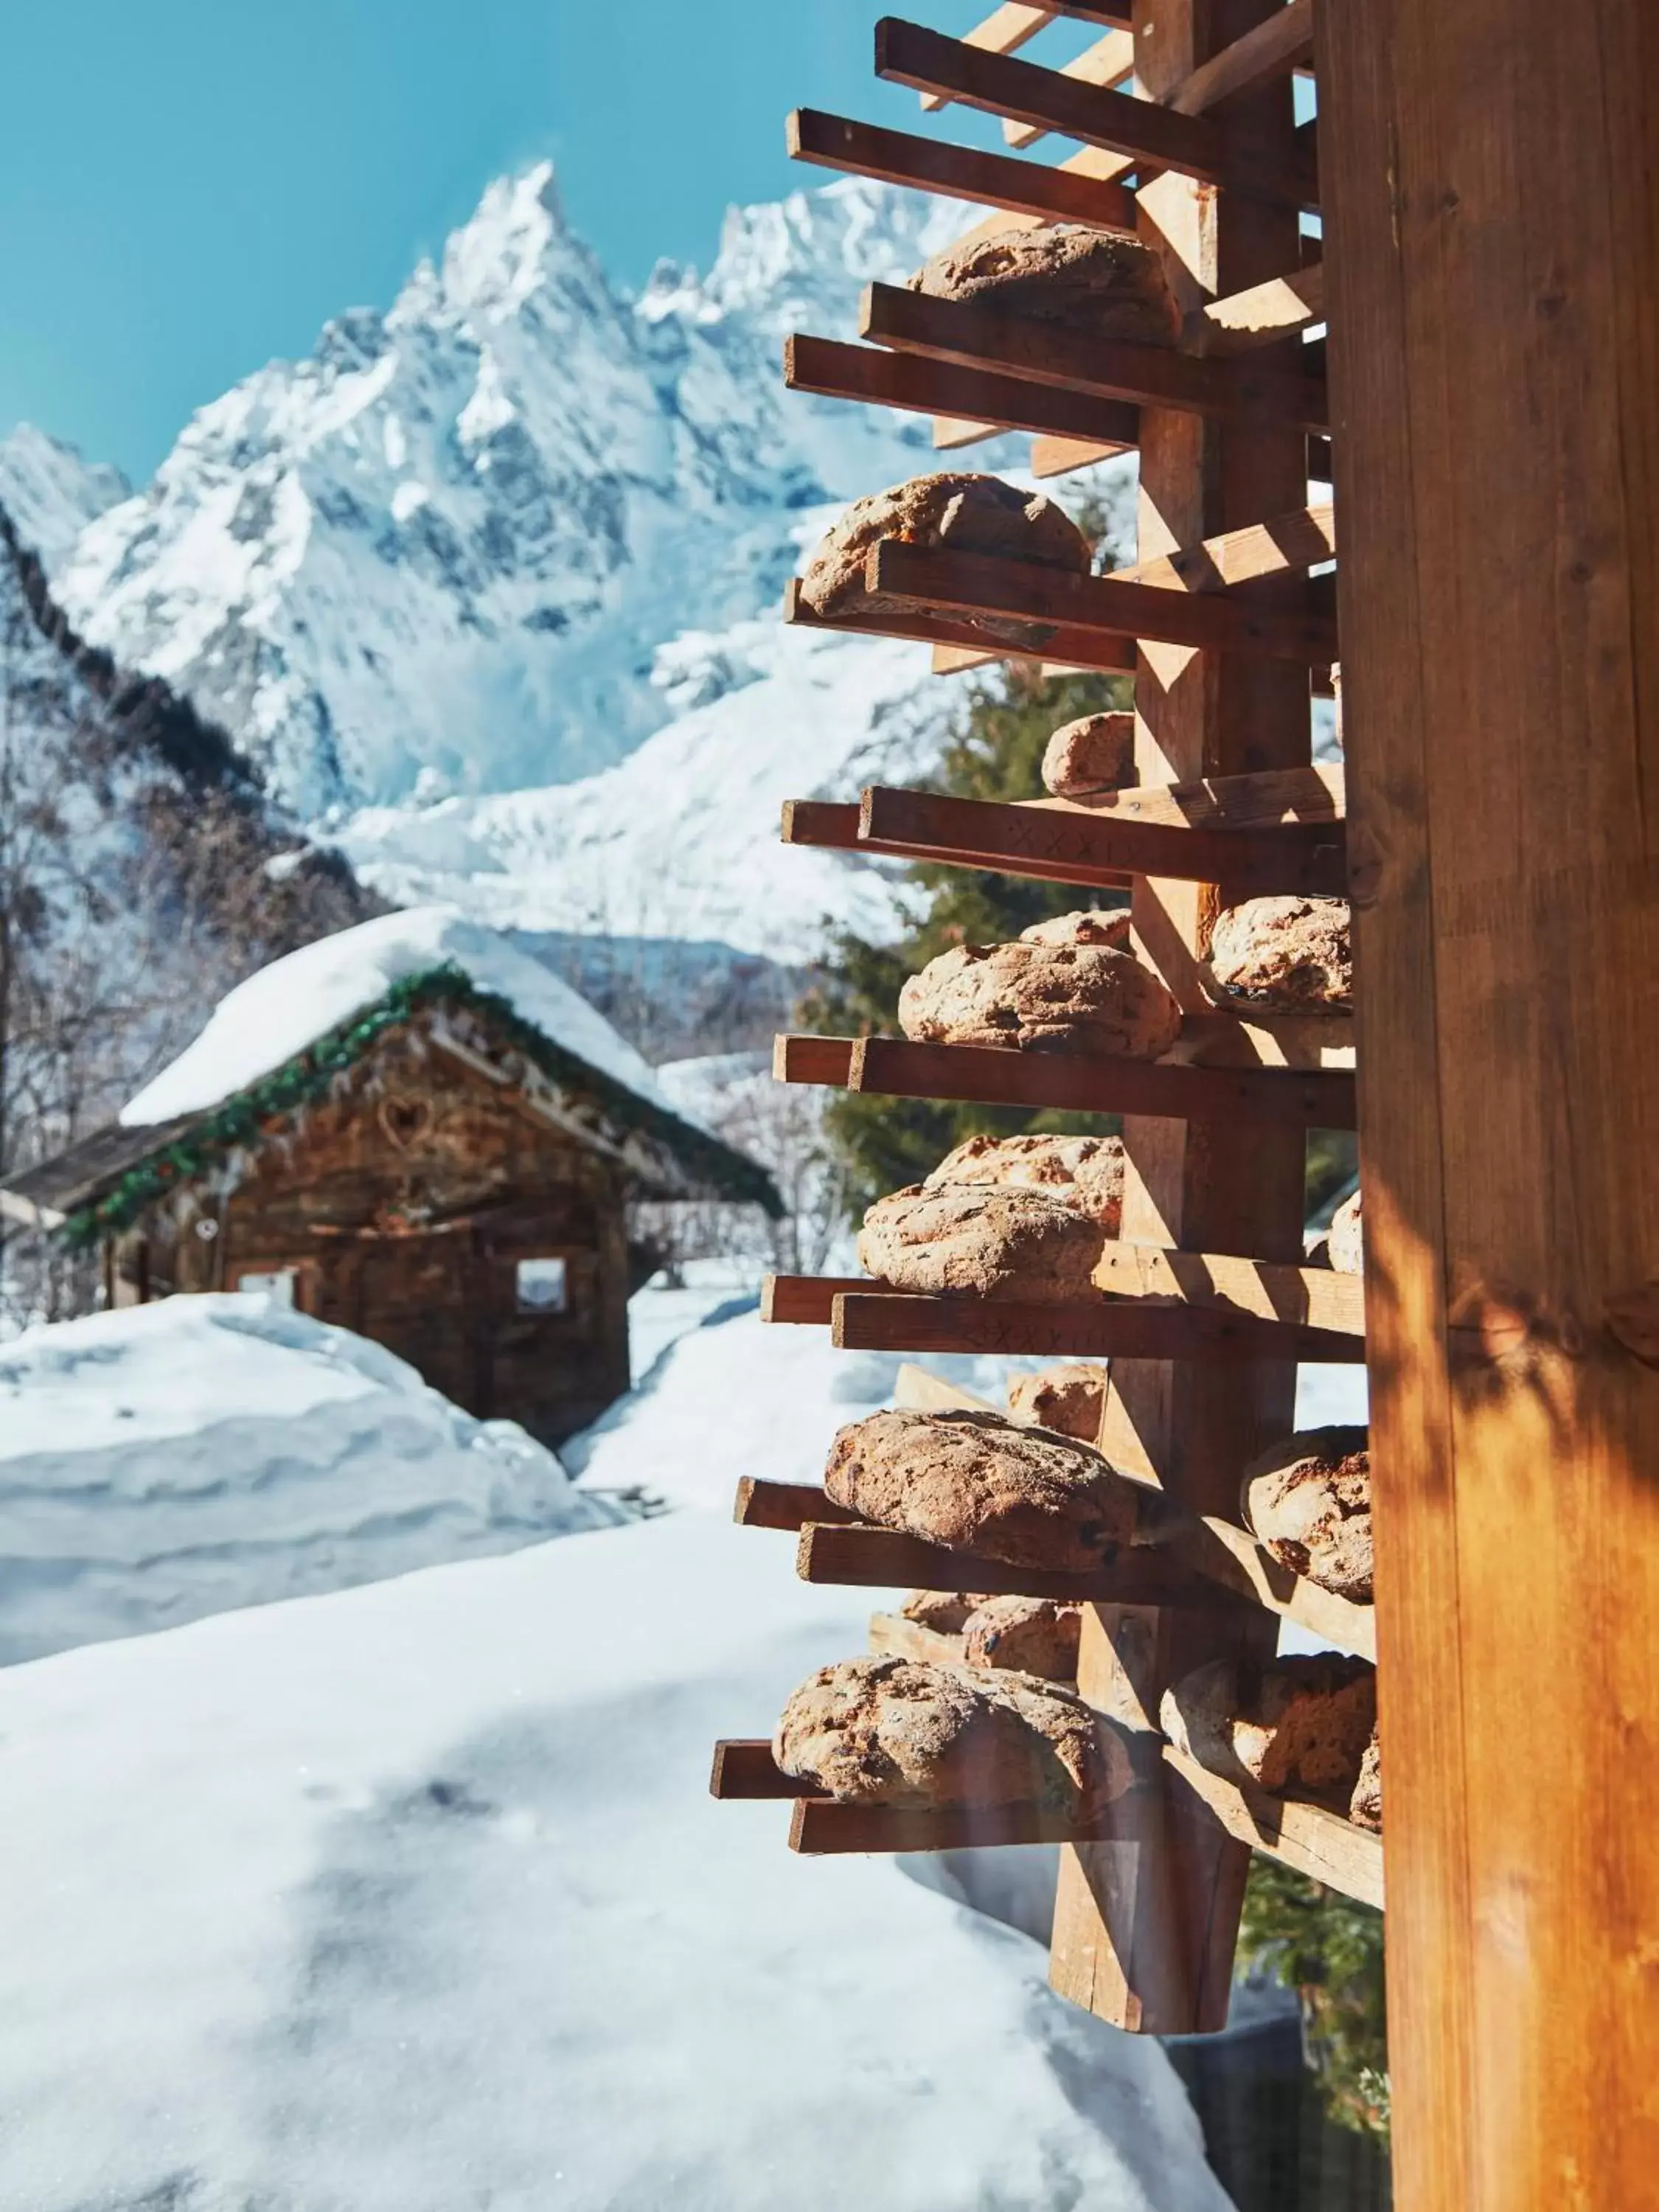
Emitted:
<point x="1494" y="257"/>
<point x="1072" y="646"/>
<point x="1241" y="802"/>
<point x="1107" y="1329"/>
<point x="763" y="1504"/>
<point x="1066" y="193"/>
<point x="743" y="1767"/>
<point x="819" y="1826"/>
<point x="923" y="387"/>
<point x="1313" y="1839"/>
<point x="867" y="1557"/>
<point x="894" y="1636"/>
<point x="1145" y="1928"/>
<point x="1109" y="61"/>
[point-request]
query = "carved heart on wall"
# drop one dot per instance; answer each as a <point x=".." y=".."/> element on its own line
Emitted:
<point x="405" y="1120"/>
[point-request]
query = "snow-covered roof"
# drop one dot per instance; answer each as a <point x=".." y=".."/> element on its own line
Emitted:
<point x="278" y="1013"/>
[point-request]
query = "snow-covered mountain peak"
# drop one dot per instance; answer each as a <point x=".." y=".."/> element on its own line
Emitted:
<point x="494" y="261"/>
<point x="51" y="491"/>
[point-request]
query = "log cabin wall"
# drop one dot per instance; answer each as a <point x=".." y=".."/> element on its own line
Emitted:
<point x="404" y="1206"/>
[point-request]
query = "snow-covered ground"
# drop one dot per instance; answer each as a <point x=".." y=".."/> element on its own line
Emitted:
<point x="165" y="1462"/>
<point x="410" y="1898"/>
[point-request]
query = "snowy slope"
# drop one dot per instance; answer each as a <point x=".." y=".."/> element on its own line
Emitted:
<point x="51" y="491"/>
<point x="412" y="1897"/>
<point x="450" y="543"/>
<point x="165" y="1462"/>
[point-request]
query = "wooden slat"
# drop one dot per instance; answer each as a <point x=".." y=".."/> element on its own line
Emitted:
<point x="919" y="1391"/>
<point x="1056" y="846"/>
<point x="1107" y="62"/>
<point x="762" y="1504"/>
<point x="866" y="1557"/>
<point x="891" y="1634"/>
<point x="1112" y="1328"/>
<point x="744" y="1768"/>
<point x="1318" y="1297"/>
<point x="1271" y="50"/>
<point x="1286" y="546"/>
<point x="1195" y="146"/>
<point x="923" y="387"/>
<point x="1075" y="648"/>
<point x="1061" y="457"/>
<point x="897" y="1068"/>
<point x="819" y="1826"/>
<point x="1261" y="315"/>
<point x="1004" y="31"/>
<point x="1249" y="388"/>
<point x="834" y="825"/>
<point x="805" y="1300"/>
<point x="1318" y="794"/>
<point x="1058" y="194"/>
<point x="1223" y="1553"/>
<point x="1317" y="1843"/>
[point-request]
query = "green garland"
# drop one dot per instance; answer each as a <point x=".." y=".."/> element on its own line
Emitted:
<point x="309" y="1075"/>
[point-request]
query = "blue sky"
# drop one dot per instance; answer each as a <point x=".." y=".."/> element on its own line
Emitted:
<point x="190" y="187"/>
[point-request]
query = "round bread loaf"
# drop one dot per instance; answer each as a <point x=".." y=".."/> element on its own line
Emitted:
<point x="1365" y="1806"/>
<point x="1041" y="998"/>
<point x="945" y="1612"/>
<point x="1308" y="1499"/>
<point x="1032" y="1634"/>
<point x="1291" y="953"/>
<point x="978" y="1240"/>
<point x="1297" y="1727"/>
<point x="959" y="512"/>
<point x="1095" y="753"/>
<point x="1344" y="1244"/>
<point x="1095" y="281"/>
<point x="979" y="1483"/>
<point x="882" y="1730"/>
<point x="1069" y="1398"/>
<point x="1087" y="1172"/>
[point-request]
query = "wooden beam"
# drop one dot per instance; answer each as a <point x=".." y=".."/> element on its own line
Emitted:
<point x="866" y="1557"/>
<point x="894" y="1636"/>
<point x="1119" y="1328"/>
<point x="1004" y="31"/>
<point x="1061" y="457"/>
<point x="1107" y="62"/>
<point x="819" y="1826"/>
<point x="922" y="386"/>
<point x="1272" y="50"/>
<point x="1223" y="1553"/>
<point x="1077" y="647"/>
<point x="1048" y="194"/>
<point x="1285" y="546"/>
<point x="1261" y="315"/>
<point x="1318" y="1297"/>
<point x="1315" y="793"/>
<point x="796" y="1300"/>
<point x="1290" y="625"/>
<point x="1246" y="389"/>
<point x="1314" y="1841"/>
<point x="744" y="1768"/>
<point x="792" y="1505"/>
<point x="1195" y="146"/>
<point x="1255" y="1097"/>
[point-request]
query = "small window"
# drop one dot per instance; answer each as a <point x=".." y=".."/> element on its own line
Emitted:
<point x="278" y="1282"/>
<point x="543" y="1287"/>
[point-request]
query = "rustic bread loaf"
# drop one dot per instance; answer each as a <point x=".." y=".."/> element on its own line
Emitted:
<point x="1344" y="1245"/>
<point x="1297" y="1727"/>
<point x="1095" y="925"/>
<point x="1095" y="753"/>
<point x="1069" y="1398"/>
<point x="1096" y="281"/>
<point x="1041" y="998"/>
<point x="958" y="514"/>
<point x="1290" y="953"/>
<point x="945" y="1612"/>
<point x="882" y="1730"/>
<point x="1087" y="1172"/>
<point x="1365" y="1806"/>
<point x="1308" y="1499"/>
<point x="981" y="1484"/>
<point x="979" y="1240"/>
<point x="1032" y="1634"/>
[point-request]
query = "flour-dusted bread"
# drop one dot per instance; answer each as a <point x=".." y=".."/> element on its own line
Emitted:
<point x="1069" y="1398"/>
<point x="1308" y="1499"/>
<point x="1297" y="1727"/>
<point x="882" y="1730"/>
<point x="1095" y="925"/>
<point x="954" y="512"/>
<point x="1041" y="998"/>
<point x="1031" y="1634"/>
<point x="1095" y="753"/>
<point x="980" y="1483"/>
<point x="1344" y="1245"/>
<point x="1365" y="1806"/>
<point x="1094" y="281"/>
<point x="945" y="1612"/>
<point x="1290" y="953"/>
<point x="1087" y="1172"/>
<point x="978" y="1240"/>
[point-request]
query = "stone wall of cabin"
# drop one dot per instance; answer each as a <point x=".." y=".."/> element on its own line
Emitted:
<point x="404" y="1206"/>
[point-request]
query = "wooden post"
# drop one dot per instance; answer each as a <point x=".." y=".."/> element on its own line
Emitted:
<point x="1493" y="234"/>
<point x="1145" y="1928"/>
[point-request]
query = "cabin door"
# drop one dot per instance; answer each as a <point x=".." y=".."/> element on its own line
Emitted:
<point x="416" y="1296"/>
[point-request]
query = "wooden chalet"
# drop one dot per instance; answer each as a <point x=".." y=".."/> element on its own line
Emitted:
<point x="414" y="1131"/>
